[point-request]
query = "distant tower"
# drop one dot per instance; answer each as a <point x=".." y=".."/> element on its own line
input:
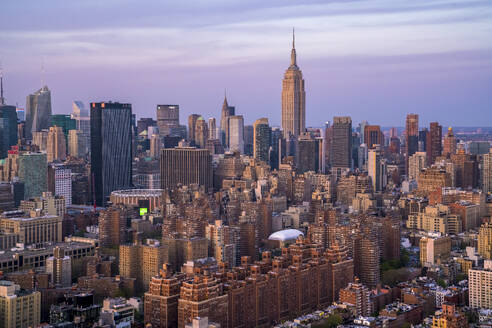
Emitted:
<point x="449" y="143"/>
<point x="341" y="143"/>
<point x="411" y="135"/>
<point x="434" y="142"/>
<point x="201" y="132"/>
<point x="293" y="98"/>
<point x="236" y="133"/>
<point x="56" y="145"/>
<point x="212" y="129"/>
<point x="167" y="119"/>
<point x="38" y="111"/>
<point x="261" y="139"/>
<point x="224" y="122"/>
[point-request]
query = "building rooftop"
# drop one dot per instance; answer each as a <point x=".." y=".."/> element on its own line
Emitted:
<point x="287" y="234"/>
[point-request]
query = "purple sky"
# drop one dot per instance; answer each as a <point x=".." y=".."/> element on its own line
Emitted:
<point x="375" y="60"/>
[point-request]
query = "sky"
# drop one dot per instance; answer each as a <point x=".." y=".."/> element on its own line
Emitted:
<point x="373" y="60"/>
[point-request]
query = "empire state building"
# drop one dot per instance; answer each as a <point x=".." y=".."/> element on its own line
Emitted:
<point x="293" y="98"/>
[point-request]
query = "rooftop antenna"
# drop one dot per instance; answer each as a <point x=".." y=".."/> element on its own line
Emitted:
<point x="293" y="38"/>
<point x="2" y="99"/>
<point x="42" y="74"/>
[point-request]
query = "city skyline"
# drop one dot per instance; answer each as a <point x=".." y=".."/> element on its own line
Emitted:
<point x="434" y="56"/>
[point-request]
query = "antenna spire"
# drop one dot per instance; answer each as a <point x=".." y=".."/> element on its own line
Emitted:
<point x="42" y="73"/>
<point x="293" y="55"/>
<point x="2" y="99"/>
<point x="293" y="38"/>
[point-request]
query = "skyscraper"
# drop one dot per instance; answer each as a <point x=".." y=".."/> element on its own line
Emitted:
<point x="65" y="122"/>
<point x="376" y="168"/>
<point x="8" y="128"/>
<point x="224" y="122"/>
<point x="82" y="122"/>
<point x="434" y="142"/>
<point x="373" y="136"/>
<point x="487" y="172"/>
<point x="38" y="111"/>
<point x="236" y="133"/>
<point x="212" y="128"/>
<point x="111" y="148"/>
<point x="449" y="144"/>
<point x="411" y="135"/>
<point x="167" y="119"/>
<point x="32" y="171"/>
<point x="201" y="132"/>
<point x="341" y="143"/>
<point x="77" y="143"/>
<point x="57" y="144"/>
<point x="261" y="139"/>
<point x="192" y="127"/>
<point x="293" y="98"/>
<point x="186" y="166"/>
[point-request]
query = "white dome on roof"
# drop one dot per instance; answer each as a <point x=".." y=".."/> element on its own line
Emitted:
<point x="287" y="234"/>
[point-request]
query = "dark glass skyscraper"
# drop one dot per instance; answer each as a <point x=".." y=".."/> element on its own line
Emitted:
<point x="8" y="128"/>
<point x="341" y="143"/>
<point x="66" y="122"/>
<point x="111" y="146"/>
<point x="38" y="111"/>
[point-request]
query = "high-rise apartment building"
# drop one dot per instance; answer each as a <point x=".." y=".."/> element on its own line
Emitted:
<point x="341" y="142"/>
<point x="434" y="142"/>
<point x="416" y="163"/>
<point x="111" y="148"/>
<point x="142" y="261"/>
<point x="161" y="301"/>
<point x="167" y="119"/>
<point x="487" y="172"/>
<point x="359" y="296"/>
<point x="236" y="133"/>
<point x="38" y="111"/>
<point x="112" y="223"/>
<point x="480" y="286"/>
<point x="293" y="98"/>
<point x="373" y="136"/>
<point x="411" y="135"/>
<point x="485" y="241"/>
<point x="186" y="166"/>
<point x="59" y="267"/>
<point x="226" y="112"/>
<point x="60" y="181"/>
<point x="18" y="308"/>
<point x="261" y="139"/>
<point x="57" y="145"/>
